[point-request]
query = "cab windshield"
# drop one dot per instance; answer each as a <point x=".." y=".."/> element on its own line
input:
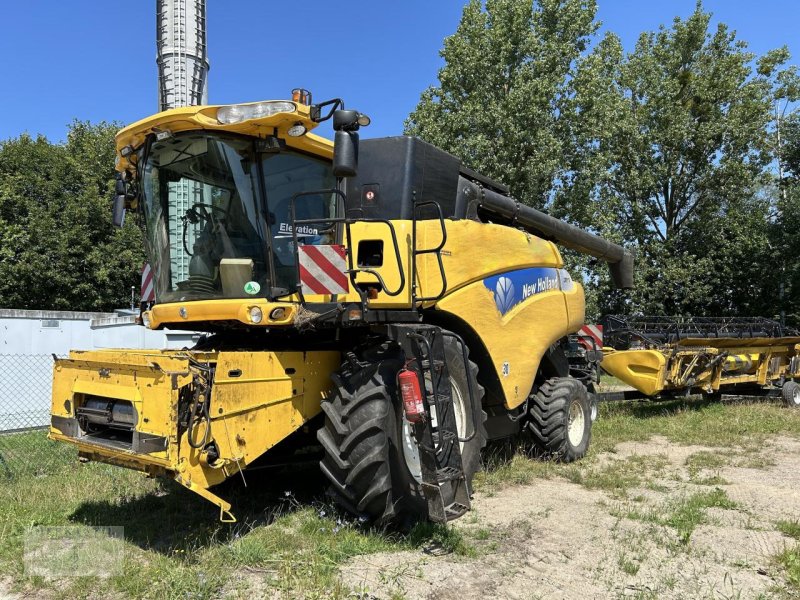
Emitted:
<point x="213" y="208"/>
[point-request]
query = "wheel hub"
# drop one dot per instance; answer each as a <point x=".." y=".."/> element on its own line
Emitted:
<point x="577" y="422"/>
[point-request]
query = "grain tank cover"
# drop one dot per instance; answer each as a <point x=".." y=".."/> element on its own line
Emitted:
<point x="394" y="170"/>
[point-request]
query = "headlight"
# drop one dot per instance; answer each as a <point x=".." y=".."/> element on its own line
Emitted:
<point x="236" y="113"/>
<point x="146" y="319"/>
<point x="256" y="315"/>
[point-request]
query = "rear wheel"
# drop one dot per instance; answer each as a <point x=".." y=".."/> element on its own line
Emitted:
<point x="560" y="420"/>
<point x="371" y="457"/>
<point x="791" y="394"/>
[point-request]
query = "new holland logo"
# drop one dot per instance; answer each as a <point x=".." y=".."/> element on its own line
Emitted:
<point x="504" y="295"/>
<point x="514" y="287"/>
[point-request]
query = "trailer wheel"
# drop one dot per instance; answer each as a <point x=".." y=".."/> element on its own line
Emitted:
<point x="791" y="394"/>
<point x="367" y="458"/>
<point x="560" y="420"/>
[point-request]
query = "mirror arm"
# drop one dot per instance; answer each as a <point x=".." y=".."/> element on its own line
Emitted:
<point x="316" y="109"/>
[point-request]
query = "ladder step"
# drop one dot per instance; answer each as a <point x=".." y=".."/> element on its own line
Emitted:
<point x="455" y="510"/>
<point x="445" y="436"/>
<point x="449" y="474"/>
<point x="437" y="364"/>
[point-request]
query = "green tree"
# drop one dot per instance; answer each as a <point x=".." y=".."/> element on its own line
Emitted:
<point x="689" y="157"/>
<point x="58" y="249"/>
<point x="785" y="230"/>
<point x="668" y="148"/>
<point x="501" y="100"/>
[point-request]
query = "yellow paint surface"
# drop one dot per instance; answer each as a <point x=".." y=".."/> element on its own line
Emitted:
<point x="257" y="400"/>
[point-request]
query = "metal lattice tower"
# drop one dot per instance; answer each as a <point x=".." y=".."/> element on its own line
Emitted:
<point x="182" y="55"/>
<point x="183" y="66"/>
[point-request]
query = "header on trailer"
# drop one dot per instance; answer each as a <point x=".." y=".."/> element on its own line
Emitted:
<point x="624" y="332"/>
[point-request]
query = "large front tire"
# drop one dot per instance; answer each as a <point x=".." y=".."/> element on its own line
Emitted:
<point x="560" y="419"/>
<point x="363" y="437"/>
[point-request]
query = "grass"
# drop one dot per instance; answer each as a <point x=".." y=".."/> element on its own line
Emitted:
<point x="618" y="476"/>
<point x="626" y="565"/>
<point x="694" y="421"/>
<point x="744" y="427"/>
<point x="31" y="454"/>
<point x="174" y="545"/>
<point x="789" y="528"/>
<point x="789" y="558"/>
<point x="683" y="514"/>
<point x="508" y="463"/>
<point x="700" y="463"/>
<point x="687" y="513"/>
<point x="288" y="539"/>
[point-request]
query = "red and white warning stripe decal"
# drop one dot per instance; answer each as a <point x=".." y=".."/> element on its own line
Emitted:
<point x="323" y="269"/>
<point x="587" y="333"/>
<point x="147" y="294"/>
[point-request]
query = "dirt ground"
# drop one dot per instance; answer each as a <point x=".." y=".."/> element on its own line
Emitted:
<point x="558" y="539"/>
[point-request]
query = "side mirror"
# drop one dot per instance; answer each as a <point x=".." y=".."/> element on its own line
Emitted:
<point x="345" y="154"/>
<point x="345" y="120"/>
<point x="124" y="198"/>
<point x="118" y="210"/>
<point x="346" y="124"/>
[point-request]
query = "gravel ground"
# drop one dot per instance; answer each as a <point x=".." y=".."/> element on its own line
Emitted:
<point x="558" y="539"/>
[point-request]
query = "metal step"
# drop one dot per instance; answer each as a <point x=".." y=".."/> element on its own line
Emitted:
<point x="455" y="510"/>
<point x="443" y="437"/>
<point x="440" y="453"/>
<point x="437" y="364"/>
<point x="449" y="474"/>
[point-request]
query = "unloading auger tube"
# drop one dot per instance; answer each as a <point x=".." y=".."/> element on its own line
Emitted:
<point x="494" y="204"/>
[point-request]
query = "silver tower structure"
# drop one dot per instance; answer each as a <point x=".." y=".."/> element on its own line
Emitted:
<point x="182" y="59"/>
<point x="182" y="55"/>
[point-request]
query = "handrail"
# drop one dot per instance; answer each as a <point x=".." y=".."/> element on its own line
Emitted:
<point x="436" y="250"/>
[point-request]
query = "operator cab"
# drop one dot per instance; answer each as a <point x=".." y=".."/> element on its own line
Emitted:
<point x="214" y="205"/>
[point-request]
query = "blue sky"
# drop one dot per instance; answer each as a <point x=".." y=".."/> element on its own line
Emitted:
<point x="64" y="60"/>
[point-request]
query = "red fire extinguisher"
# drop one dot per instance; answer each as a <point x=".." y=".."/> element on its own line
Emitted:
<point x="412" y="397"/>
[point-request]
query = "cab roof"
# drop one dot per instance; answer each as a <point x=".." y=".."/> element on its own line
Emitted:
<point x="194" y="118"/>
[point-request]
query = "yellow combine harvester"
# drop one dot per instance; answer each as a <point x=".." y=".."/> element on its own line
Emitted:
<point x="660" y="356"/>
<point x="382" y="304"/>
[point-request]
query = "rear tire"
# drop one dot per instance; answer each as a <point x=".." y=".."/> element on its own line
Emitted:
<point x="791" y="394"/>
<point x="560" y="420"/>
<point x="363" y="437"/>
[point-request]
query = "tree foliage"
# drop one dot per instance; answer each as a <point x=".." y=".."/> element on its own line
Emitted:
<point x="668" y="148"/>
<point x="58" y="249"/>
<point x="500" y="104"/>
<point x="786" y="228"/>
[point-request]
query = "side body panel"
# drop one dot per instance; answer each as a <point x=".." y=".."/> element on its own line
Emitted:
<point x="517" y="340"/>
<point x="512" y="291"/>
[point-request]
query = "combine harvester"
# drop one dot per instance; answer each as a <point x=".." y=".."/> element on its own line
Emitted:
<point x="376" y="307"/>
<point x="379" y="305"/>
<point x="664" y="357"/>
